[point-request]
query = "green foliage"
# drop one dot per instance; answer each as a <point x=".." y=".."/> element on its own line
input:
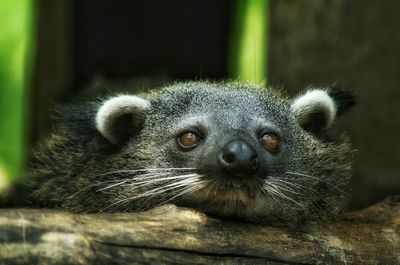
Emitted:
<point x="249" y="43"/>
<point x="15" y="28"/>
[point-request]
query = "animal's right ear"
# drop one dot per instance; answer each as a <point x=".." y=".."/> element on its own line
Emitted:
<point x="121" y="117"/>
<point x="316" y="109"/>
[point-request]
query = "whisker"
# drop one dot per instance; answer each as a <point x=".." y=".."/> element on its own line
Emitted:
<point x="152" y="181"/>
<point x="111" y="186"/>
<point x="308" y="191"/>
<point x="289" y="183"/>
<point x="122" y="181"/>
<point x="166" y="188"/>
<point x="286" y="188"/>
<point x="273" y="188"/>
<point x="133" y="181"/>
<point x="173" y="177"/>
<point x="199" y="186"/>
<point x="161" y="190"/>
<point x="143" y="170"/>
<point x="316" y="178"/>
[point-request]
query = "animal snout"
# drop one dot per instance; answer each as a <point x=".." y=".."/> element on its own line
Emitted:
<point x="239" y="158"/>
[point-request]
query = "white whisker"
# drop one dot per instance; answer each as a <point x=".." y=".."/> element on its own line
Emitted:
<point x="316" y="178"/>
<point x="285" y="188"/>
<point x="139" y="184"/>
<point x="199" y="186"/>
<point x="187" y="183"/>
<point x="274" y="189"/>
<point x="143" y="170"/>
<point x="152" y="178"/>
<point x="113" y="185"/>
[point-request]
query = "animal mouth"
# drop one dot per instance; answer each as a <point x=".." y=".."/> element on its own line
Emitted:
<point x="223" y="191"/>
<point x="235" y="190"/>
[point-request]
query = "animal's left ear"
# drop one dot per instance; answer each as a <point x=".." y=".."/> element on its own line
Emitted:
<point x="317" y="109"/>
<point x="121" y="117"/>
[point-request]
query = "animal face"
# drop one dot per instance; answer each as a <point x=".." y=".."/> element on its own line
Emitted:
<point x="227" y="149"/>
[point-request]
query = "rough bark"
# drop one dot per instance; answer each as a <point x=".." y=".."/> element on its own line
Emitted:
<point x="173" y="235"/>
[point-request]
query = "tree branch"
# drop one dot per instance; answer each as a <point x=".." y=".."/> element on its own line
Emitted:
<point x="171" y="235"/>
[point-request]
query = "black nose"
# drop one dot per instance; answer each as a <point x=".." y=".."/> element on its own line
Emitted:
<point x="239" y="158"/>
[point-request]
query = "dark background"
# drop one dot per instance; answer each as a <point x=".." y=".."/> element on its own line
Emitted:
<point x="312" y="42"/>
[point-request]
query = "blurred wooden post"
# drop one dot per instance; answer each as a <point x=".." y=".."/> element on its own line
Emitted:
<point x="53" y="69"/>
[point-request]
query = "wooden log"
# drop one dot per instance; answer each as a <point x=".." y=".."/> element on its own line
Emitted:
<point x="173" y="235"/>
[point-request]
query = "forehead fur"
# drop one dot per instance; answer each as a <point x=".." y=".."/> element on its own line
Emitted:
<point x="208" y="98"/>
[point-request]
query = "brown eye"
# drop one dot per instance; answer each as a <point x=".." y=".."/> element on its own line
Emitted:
<point x="270" y="141"/>
<point x="188" y="140"/>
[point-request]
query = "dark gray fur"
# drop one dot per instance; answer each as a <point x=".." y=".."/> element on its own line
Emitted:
<point x="75" y="167"/>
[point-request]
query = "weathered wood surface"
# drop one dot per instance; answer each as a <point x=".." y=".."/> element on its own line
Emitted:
<point x="172" y="235"/>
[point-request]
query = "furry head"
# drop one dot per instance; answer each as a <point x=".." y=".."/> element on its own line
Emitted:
<point x="230" y="149"/>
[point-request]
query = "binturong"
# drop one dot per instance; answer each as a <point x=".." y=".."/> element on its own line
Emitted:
<point x="230" y="149"/>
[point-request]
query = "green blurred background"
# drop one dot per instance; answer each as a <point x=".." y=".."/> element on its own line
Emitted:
<point x="16" y="30"/>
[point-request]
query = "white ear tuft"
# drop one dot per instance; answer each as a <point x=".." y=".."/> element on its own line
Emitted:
<point x="113" y="109"/>
<point x="316" y="102"/>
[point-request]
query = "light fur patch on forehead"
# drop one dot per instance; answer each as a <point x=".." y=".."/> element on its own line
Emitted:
<point x="315" y="100"/>
<point x="191" y="121"/>
<point x="116" y="107"/>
